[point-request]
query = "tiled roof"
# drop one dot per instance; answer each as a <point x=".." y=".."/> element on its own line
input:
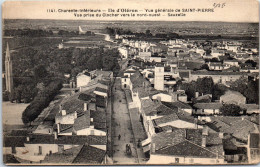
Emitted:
<point x="254" y="140"/>
<point x="14" y="141"/>
<point x="230" y="93"/>
<point x="177" y="104"/>
<point x="216" y="73"/>
<point x="10" y="159"/>
<point x="184" y="74"/>
<point x="99" y="119"/>
<point x="19" y="133"/>
<point x="165" y="119"/>
<point x="101" y="89"/>
<point x="208" y="105"/>
<point x="175" y="115"/>
<point x="72" y="104"/>
<point x="90" y="155"/>
<point x="82" y="122"/>
<point x="74" y="139"/>
<point x="237" y="126"/>
<point x="67" y="156"/>
<point x="187" y="142"/>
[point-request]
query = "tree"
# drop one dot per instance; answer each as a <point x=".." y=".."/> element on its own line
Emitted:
<point x="204" y="85"/>
<point x="252" y="62"/>
<point x="230" y="110"/>
<point x="218" y="90"/>
<point x="40" y="72"/>
<point x="204" y="66"/>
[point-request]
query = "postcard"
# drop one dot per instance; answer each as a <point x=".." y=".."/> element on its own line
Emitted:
<point x="129" y="82"/>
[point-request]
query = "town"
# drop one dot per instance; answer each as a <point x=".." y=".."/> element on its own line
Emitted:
<point x="167" y="100"/>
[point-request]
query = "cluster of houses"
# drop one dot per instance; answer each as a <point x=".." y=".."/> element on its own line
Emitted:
<point x="78" y="132"/>
<point x="184" y="132"/>
<point x="178" y="132"/>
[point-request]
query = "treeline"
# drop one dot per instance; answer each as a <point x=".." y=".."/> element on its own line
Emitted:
<point x="42" y="33"/>
<point x="42" y="100"/>
<point x="146" y="34"/>
<point x="34" y="65"/>
<point x="28" y="32"/>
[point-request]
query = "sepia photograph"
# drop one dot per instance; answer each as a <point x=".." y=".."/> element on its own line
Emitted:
<point x="130" y="82"/>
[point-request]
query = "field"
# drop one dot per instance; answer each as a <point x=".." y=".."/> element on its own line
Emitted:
<point x="182" y="28"/>
<point x="12" y="113"/>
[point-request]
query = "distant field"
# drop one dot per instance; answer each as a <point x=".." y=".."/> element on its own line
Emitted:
<point x="183" y="28"/>
<point x="12" y="113"/>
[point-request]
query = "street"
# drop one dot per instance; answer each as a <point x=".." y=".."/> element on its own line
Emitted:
<point x="122" y="126"/>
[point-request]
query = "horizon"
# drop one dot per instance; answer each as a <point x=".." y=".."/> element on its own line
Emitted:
<point x="130" y="20"/>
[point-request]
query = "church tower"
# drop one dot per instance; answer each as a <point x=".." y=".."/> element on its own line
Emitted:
<point x="159" y="78"/>
<point x="8" y="71"/>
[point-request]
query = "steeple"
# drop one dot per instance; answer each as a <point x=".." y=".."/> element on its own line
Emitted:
<point x="8" y="71"/>
<point x="7" y="55"/>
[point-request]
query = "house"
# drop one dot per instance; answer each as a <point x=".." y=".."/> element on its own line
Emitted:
<point x="250" y="108"/>
<point x="151" y="110"/>
<point x="233" y="97"/>
<point x="236" y="132"/>
<point x="217" y="53"/>
<point x="177" y="120"/>
<point x="39" y="146"/>
<point x="181" y="96"/>
<point x="180" y="106"/>
<point x="207" y="108"/>
<point x="145" y="56"/>
<point x="83" y="79"/>
<point x="14" y="145"/>
<point x="215" y="66"/>
<point x="253" y="149"/>
<point x="129" y="72"/>
<point x="186" y="146"/>
<point x="163" y="97"/>
<point x="230" y="63"/>
<point x="126" y="82"/>
<point x="124" y="52"/>
<point x="207" y="98"/>
<point x="217" y="76"/>
<point x="154" y="58"/>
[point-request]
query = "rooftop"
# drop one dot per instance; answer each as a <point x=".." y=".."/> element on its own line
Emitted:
<point x="77" y="140"/>
<point x="90" y="155"/>
<point x="187" y="142"/>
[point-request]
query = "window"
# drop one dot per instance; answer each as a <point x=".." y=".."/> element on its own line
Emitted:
<point x="125" y="79"/>
<point x="13" y="150"/>
<point x="177" y="160"/>
<point x="40" y="150"/>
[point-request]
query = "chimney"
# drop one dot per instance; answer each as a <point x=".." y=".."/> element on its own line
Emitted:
<point x="63" y="112"/>
<point x="204" y="141"/>
<point x="196" y="123"/>
<point x="75" y="114"/>
<point x="196" y="94"/>
<point x="221" y="135"/>
<point x="205" y="131"/>
<point x="153" y="147"/>
<point x="55" y="135"/>
<point x="60" y="107"/>
<point x="185" y="134"/>
<point x="91" y="119"/>
<point x="27" y="138"/>
<point x="85" y="107"/>
<point x="58" y="127"/>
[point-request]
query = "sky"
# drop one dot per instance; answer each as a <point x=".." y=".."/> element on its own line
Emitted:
<point x="233" y="10"/>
